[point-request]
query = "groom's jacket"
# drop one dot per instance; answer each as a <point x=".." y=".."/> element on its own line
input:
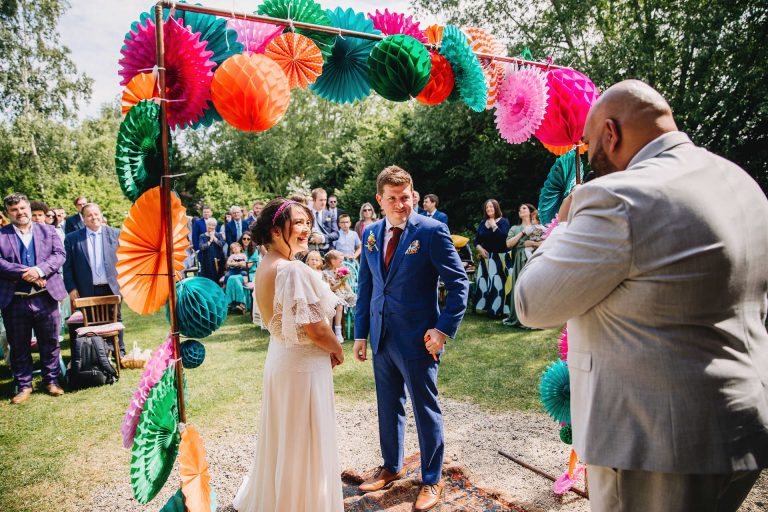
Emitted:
<point x="402" y="302"/>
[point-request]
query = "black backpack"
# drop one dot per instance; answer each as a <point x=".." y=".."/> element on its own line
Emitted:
<point x="90" y="363"/>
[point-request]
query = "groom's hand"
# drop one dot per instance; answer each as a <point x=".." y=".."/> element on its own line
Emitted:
<point x="359" y="350"/>
<point x="435" y="340"/>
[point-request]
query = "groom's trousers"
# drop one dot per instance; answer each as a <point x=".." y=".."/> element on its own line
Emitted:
<point x="393" y="373"/>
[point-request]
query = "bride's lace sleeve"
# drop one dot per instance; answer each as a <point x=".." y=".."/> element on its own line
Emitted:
<point x="301" y="297"/>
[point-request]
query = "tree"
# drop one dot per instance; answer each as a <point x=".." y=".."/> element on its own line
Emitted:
<point x="219" y="191"/>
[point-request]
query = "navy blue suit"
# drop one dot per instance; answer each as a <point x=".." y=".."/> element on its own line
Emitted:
<point x="73" y="223"/>
<point x="437" y="215"/>
<point x="396" y="308"/>
<point x="327" y="227"/>
<point x="230" y="230"/>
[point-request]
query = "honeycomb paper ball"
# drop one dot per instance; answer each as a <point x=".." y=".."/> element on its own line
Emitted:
<point x="441" y="81"/>
<point x="571" y="94"/>
<point x="566" y="434"/>
<point x="192" y="354"/>
<point x="250" y="92"/>
<point x="399" y="67"/>
<point x="201" y="306"/>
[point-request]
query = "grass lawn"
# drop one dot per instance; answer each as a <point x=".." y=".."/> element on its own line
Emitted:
<point x="55" y="450"/>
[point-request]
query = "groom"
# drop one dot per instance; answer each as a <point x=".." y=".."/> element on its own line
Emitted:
<point x="403" y="255"/>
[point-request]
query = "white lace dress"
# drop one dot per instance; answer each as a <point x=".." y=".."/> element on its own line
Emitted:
<point x="296" y="466"/>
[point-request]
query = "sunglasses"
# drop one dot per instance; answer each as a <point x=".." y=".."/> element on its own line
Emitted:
<point x="246" y="238"/>
<point x="367" y="210"/>
<point x="50" y="215"/>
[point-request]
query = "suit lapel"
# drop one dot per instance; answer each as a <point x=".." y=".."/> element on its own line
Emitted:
<point x="83" y="242"/>
<point x="380" y="245"/>
<point x="405" y="242"/>
<point x="13" y="242"/>
<point x="37" y="238"/>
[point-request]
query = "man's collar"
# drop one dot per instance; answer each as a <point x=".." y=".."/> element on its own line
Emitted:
<point x="659" y="145"/>
<point x="90" y="231"/>
<point x="18" y="231"/>
<point x="389" y="225"/>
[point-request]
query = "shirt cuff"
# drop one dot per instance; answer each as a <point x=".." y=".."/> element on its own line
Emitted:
<point x="441" y="332"/>
<point x="361" y="339"/>
<point x="39" y="272"/>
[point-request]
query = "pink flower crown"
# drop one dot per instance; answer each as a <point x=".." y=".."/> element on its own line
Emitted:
<point x="280" y="209"/>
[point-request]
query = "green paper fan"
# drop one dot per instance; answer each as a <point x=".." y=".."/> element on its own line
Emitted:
<point x="555" y="391"/>
<point x="399" y="67"/>
<point x="559" y="183"/>
<point x="307" y="11"/>
<point x="176" y="502"/>
<point x="157" y="439"/>
<point x="201" y="307"/>
<point x="138" y="154"/>
<point x="468" y="73"/>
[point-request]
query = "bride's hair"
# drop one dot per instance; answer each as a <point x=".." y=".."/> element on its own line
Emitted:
<point x="273" y="216"/>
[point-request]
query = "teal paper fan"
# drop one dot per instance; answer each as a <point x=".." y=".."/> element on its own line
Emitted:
<point x="307" y="11"/>
<point x="138" y="153"/>
<point x="468" y="73"/>
<point x="201" y="306"/>
<point x="555" y="391"/>
<point x="399" y="67"/>
<point x="344" y="78"/>
<point x="559" y="183"/>
<point x="176" y="502"/>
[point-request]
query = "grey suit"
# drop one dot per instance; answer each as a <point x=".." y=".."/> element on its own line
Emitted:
<point x="662" y="274"/>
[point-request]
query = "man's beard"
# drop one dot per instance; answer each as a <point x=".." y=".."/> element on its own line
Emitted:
<point x="600" y="162"/>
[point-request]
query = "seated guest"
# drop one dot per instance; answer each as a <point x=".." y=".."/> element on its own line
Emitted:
<point x="30" y="288"/>
<point x="90" y="269"/>
<point x="238" y="294"/>
<point x="211" y="256"/>
<point x="237" y="263"/>
<point x="348" y="242"/>
<point x="367" y="217"/>
<point x="491" y="245"/>
<point x="430" y="209"/>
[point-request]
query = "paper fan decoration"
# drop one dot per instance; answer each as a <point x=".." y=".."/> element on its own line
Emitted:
<point x="391" y="23"/>
<point x="153" y="371"/>
<point x="481" y="41"/>
<point x="434" y="34"/>
<point x="571" y="94"/>
<point x="566" y="481"/>
<point x="193" y="469"/>
<point x="561" y="150"/>
<point x="251" y="92"/>
<point x="253" y="35"/>
<point x="468" y="73"/>
<point x="344" y="78"/>
<point x="441" y="81"/>
<point x="555" y="391"/>
<point x="157" y="440"/>
<point x="521" y="103"/>
<point x="189" y="70"/>
<point x="143" y="86"/>
<point x="566" y="434"/>
<point x="399" y="67"/>
<point x="176" y="503"/>
<point x="298" y="57"/>
<point x="201" y="306"/>
<point x="562" y="344"/>
<point x="141" y="256"/>
<point x="307" y="11"/>
<point x="559" y="183"/>
<point x="192" y="354"/>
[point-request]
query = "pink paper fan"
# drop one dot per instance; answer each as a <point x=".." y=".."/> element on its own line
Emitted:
<point x="390" y="23"/>
<point x="551" y="227"/>
<point x="253" y="35"/>
<point x="161" y="359"/>
<point x="571" y="94"/>
<point x="187" y="63"/>
<point x="562" y="344"/>
<point x="521" y="103"/>
<point x="565" y="483"/>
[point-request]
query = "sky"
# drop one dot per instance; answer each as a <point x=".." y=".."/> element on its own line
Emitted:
<point x="95" y="35"/>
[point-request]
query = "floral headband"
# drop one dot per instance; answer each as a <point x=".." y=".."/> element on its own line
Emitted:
<point x="280" y="209"/>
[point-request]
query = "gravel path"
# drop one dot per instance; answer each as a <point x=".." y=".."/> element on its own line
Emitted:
<point x="473" y="437"/>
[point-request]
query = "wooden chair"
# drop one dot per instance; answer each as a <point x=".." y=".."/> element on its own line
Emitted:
<point x="100" y="319"/>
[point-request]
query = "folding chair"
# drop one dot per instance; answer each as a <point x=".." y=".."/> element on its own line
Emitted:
<point x="354" y="269"/>
<point x="100" y="319"/>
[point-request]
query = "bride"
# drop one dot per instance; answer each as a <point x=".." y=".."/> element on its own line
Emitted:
<point x="296" y="466"/>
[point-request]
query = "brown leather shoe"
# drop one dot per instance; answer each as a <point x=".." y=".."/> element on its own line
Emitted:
<point x="21" y="396"/>
<point x="379" y="479"/>
<point x="54" y="390"/>
<point x="429" y="496"/>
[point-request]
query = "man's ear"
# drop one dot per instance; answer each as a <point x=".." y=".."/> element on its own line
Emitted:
<point x="612" y="136"/>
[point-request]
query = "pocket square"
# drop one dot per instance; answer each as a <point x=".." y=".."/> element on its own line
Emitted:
<point x="413" y="248"/>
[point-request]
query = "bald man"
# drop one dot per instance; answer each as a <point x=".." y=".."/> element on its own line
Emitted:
<point x="661" y="272"/>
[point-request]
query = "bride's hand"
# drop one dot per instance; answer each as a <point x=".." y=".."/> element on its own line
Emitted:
<point x="337" y="358"/>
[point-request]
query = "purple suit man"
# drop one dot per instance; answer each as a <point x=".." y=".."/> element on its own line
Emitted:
<point x="30" y="287"/>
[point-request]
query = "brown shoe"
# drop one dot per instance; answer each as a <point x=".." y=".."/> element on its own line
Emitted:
<point x="54" y="390"/>
<point x="21" y="396"/>
<point x="429" y="496"/>
<point x="379" y="479"/>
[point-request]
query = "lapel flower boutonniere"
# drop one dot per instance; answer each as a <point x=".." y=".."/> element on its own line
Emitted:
<point x="371" y="243"/>
<point x="413" y="248"/>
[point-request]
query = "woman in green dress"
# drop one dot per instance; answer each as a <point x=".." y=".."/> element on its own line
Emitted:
<point x="517" y="241"/>
<point x="238" y="295"/>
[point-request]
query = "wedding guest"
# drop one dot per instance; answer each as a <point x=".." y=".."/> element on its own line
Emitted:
<point x="199" y="227"/>
<point x="668" y="349"/>
<point x="50" y="217"/>
<point x="3" y="220"/>
<point x="211" y="256"/>
<point x="222" y="231"/>
<point x="30" y="288"/>
<point x="237" y="293"/>
<point x="337" y="280"/>
<point x="367" y="217"/>
<point x="325" y="232"/>
<point x="417" y="203"/>
<point x="491" y="244"/>
<point x="91" y="266"/>
<point x="334" y="210"/>
<point x="518" y="240"/>
<point x="299" y="198"/>
<point x="235" y="228"/>
<point x="314" y="261"/>
<point x="256" y="209"/>
<point x="348" y="243"/>
<point x="61" y="216"/>
<point x="39" y="212"/>
<point x="75" y="221"/>
<point x="430" y="209"/>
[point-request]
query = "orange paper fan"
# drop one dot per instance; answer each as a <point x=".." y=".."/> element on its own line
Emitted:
<point x="434" y="34"/>
<point x="193" y="469"/>
<point x="298" y="56"/>
<point x="141" y="87"/>
<point x="483" y="42"/>
<point x="561" y="150"/>
<point x="141" y="256"/>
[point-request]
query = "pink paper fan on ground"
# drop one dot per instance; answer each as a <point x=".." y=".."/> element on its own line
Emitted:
<point x="187" y="63"/>
<point x="253" y="35"/>
<point x="571" y="94"/>
<point x="521" y="103"/>
<point x="565" y="483"/>
<point x="390" y="23"/>
<point x="484" y="42"/>
<point x="161" y="359"/>
<point x="562" y="344"/>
